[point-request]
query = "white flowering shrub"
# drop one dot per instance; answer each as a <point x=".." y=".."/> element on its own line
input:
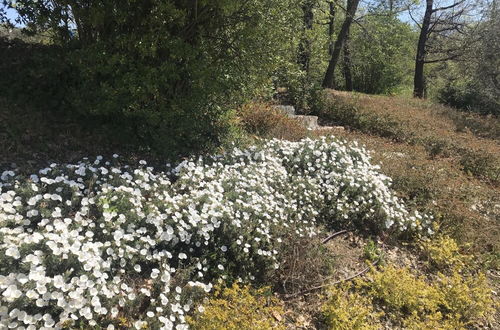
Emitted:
<point x="99" y="243"/>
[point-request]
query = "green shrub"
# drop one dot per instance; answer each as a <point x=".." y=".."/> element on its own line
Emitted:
<point x="481" y="164"/>
<point x="340" y="111"/>
<point x="468" y="96"/>
<point x="458" y="298"/>
<point x="35" y="75"/>
<point x="169" y="72"/>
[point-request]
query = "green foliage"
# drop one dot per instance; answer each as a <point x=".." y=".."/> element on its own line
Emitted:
<point x="372" y="252"/>
<point x="480" y="164"/>
<point x="33" y="75"/>
<point x="168" y="71"/>
<point x="382" y="54"/>
<point x="472" y="84"/>
<point x="350" y="113"/>
<point x="468" y="95"/>
<point x="239" y="307"/>
<point x="443" y="253"/>
<point x="402" y="292"/>
<point x="455" y="301"/>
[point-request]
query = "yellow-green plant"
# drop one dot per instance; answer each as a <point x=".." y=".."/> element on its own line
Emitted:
<point x="467" y="298"/>
<point x="239" y="307"/>
<point x="346" y="310"/>
<point x="455" y="301"/>
<point x="443" y="252"/>
<point x="401" y="291"/>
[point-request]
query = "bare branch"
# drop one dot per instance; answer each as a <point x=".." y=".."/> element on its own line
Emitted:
<point x="449" y="58"/>
<point x="448" y="7"/>
<point x="413" y="19"/>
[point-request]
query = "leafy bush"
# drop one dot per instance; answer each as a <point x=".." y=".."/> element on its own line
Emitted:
<point x="466" y="95"/>
<point x="96" y="243"/>
<point x="239" y="308"/>
<point x="350" y="113"/>
<point x="168" y="72"/>
<point x="418" y="124"/>
<point x="480" y="164"/>
<point x="34" y="75"/>
<point x="382" y="60"/>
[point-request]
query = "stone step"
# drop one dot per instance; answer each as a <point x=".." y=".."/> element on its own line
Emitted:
<point x="287" y="109"/>
<point x="331" y="128"/>
<point x="309" y="122"/>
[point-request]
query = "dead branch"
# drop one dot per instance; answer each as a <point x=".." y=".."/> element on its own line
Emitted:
<point x="333" y="236"/>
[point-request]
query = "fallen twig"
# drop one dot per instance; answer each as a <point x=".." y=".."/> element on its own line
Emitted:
<point x="333" y="283"/>
<point x="333" y="236"/>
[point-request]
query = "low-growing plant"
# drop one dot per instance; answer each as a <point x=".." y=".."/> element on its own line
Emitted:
<point x="239" y="307"/>
<point x="457" y="301"/>
<point x="434" y="127"/>
<point x="99" y="243"/>
<point x="443" y="253"/>
<point x="372" y="252"/>
<point x="402" y="292"/>
<point x="345" y="310"/>
<point x="480" y="164"/>
<point x="349" y="113"/>
<point x="454" y="301"/>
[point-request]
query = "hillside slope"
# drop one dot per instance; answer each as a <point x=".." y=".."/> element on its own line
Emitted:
<point x="442" y="163"/>
<point x="439" y="158"/>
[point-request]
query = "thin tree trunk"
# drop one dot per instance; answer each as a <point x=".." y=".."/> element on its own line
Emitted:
<point x="304" y="57"/>
<point x="419" y="79"/>
<point x="352" y="6"/>
<point x="347" y="64"/>
<point x="331" y="27"/>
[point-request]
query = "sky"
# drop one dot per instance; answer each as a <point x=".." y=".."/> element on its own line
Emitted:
<point x="11" y="14"/>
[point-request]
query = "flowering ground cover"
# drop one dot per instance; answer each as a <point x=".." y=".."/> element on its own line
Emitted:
<point x="100" y="243"/>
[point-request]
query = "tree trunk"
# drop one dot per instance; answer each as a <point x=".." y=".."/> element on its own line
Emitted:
<point x="304" y="57"/>
<point x="331" y="27"/>
<point x="419" y="79"/>
<point x="347" y="65"/>
<point x="352" y="6"/>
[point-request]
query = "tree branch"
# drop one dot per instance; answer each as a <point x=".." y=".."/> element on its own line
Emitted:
<point x="448" y="7"/>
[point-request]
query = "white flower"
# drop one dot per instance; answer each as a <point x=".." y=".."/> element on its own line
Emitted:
<point x="13" y="252"/>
